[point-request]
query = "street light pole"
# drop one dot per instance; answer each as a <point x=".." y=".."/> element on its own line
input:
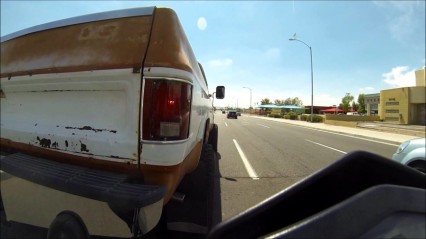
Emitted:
<point x="250" y="97"/>
<point x="312" y="74"/>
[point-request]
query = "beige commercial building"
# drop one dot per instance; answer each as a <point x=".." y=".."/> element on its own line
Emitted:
<point x="372" y="102"/>
<point x="405" y="105"/>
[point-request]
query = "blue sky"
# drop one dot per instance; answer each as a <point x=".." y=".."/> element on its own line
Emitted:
<point x="358" y="46"/>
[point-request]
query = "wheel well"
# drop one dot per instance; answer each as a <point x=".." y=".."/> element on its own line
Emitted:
<point x="418" y="163"/>
<point x="76" y="217"/>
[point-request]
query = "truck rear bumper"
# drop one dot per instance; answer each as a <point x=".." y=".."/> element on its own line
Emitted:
<point x="35" y="190"/>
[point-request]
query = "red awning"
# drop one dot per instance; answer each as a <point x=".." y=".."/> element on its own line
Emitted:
<point x="332" y="110"/>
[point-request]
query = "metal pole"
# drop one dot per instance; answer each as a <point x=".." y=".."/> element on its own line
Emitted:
<point x="250" y="101"/>
<point x="312" y="86"/>
<point x="312" y="74"/>
<point x="250" y="98"/>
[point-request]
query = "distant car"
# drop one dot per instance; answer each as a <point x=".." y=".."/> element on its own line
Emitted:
<point x="412" y="153"/>
<point x="223" y="112"/>
<point x="238" y="113"/>
<point x="232" y="114"/>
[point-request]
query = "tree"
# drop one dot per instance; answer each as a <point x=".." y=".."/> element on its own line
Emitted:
<point x="355" y="106"/>
<point x="279" y="102"/>
<point x="346" y="102"/>
<point x="296" y="101"/>
<point x="361" y="103"/>
<point x="293" y="101"/>
<point x="265" y="101"/>
<point x="287" y="101"/>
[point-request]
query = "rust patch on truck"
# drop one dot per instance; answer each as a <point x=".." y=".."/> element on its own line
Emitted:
<point x="118" y="157"/>
<point x="106" y="31"/>
<point x="44" y="142"/>
<point x="85" y="161"/>
<point x="81" y="45"/>
<point x="90" y="128"/>
<point x="83" y="147"/>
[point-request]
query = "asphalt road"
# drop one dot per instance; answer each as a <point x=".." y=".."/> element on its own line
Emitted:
<point x="259" y="158"/>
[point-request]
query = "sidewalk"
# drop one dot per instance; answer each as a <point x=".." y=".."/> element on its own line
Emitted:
<point x="391" y="134"/>
<point x="413" y="130"/>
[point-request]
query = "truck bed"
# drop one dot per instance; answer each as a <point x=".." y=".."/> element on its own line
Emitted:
<point x="115" y="189"/>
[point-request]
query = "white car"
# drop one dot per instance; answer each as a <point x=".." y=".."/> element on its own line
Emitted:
<point x="412" y="153"/>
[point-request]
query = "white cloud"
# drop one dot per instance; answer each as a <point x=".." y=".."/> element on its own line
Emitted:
<point x="366" y="89"/>
<point x="400" y="27"/>
<point x="325" y="100"/>
<point x="220" y="63"/>
<point x="202" y="23"/>
<point x="400" y="76"/>
<point x="404" y="17"/>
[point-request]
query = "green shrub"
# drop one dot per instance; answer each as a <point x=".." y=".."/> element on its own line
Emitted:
<point x="274" y="115"/>
<point x="315" y="118"/>
<point x="292" y="115"/>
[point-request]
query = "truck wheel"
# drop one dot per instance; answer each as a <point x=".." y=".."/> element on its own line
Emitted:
<point x="208" y="157"/>
<point x="200" y="211"/>
<point x="213" y="137"/>
<point x="67" y="225"/>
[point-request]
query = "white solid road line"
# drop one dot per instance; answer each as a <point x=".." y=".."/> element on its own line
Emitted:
<point x="350" y="136"/>
<point x="226" y="124"/>
<point x="264" y="126"/>
<point x="249" y="168"/>
<point x="340" y="151"/>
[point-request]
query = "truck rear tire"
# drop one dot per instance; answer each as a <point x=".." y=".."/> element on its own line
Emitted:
<point x="196" y="215"/>
<point x="67" y="225"/>
<point x="213" y="137"/>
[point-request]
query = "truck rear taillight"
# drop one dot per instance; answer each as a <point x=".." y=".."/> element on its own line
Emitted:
<point x="166" y="109"/>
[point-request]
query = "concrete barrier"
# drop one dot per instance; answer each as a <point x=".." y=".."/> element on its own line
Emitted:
<point x="341" y="123"/>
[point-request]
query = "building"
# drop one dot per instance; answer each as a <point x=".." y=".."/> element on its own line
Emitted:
<point x="334" y="110"/>
<point x="406" y="105"/>
<point x="420" y="78"/>
<point x="372" y="102"/>
<point x="317" y="109"/>
<point x="282" y="108"/>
